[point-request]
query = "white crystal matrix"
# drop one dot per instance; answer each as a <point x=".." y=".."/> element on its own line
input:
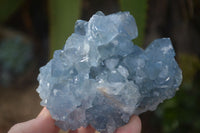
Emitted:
<point x="101" y="78"/>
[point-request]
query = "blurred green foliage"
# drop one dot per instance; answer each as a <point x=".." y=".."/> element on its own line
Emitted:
<point x="63" y="15"/>
<point x="8" y="7"/>
<point x="138" y="8"/>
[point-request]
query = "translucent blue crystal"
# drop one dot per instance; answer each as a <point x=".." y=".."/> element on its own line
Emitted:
<point x="100" y="78"/>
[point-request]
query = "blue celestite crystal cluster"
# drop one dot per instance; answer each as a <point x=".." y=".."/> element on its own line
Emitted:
<point x="100" y="78"/>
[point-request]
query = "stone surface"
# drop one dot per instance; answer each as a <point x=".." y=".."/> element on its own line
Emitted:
<point x="101" y="78"/>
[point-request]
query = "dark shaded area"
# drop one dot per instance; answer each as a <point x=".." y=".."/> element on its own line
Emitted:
<point x="32" y="20"/>
<point x="179" y="20"/>
<point x="89" y="7"/>
<point x="18" y="98"/>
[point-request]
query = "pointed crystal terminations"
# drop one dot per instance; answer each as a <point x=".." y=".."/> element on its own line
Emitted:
<point x="101" y="78"/>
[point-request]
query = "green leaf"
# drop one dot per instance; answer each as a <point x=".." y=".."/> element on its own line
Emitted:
<point x="190" y="65"/>
<point x="8" y="7"/>
<point x="138" y="8"/>
<point x="63" y="14"/>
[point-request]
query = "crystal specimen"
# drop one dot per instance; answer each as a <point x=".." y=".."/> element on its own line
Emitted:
<point x="100" y="78"/>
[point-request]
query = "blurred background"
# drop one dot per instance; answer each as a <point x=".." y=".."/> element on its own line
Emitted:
<point x="30" y="30"/>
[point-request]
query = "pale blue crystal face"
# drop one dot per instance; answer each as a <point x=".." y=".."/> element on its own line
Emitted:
<point x="101" y="78"/>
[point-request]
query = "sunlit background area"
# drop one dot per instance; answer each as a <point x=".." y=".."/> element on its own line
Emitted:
<point x="31" y="30"/>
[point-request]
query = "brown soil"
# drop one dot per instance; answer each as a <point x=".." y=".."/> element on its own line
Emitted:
<point x="17" y="105"/>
